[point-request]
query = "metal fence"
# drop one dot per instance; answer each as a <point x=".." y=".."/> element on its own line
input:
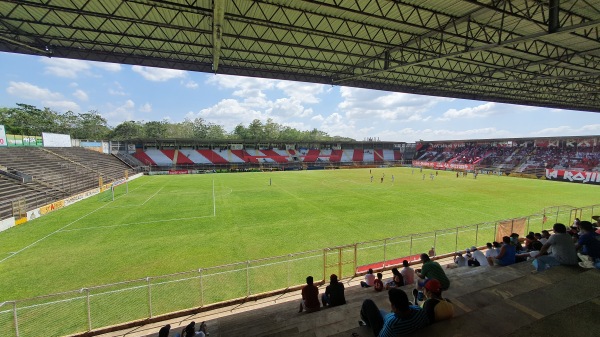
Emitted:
<point x="92" y="308"/>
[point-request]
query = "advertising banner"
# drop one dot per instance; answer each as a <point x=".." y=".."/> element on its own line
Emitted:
<point x="3" y="141"/>
<point x="583" y="177"/>
<point x="56" y="140"/>
<point x="443" y="166"/>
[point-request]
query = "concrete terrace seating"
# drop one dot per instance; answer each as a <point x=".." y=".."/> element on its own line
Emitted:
<point x="489" y="301"/>
<point x="35" y="195"/>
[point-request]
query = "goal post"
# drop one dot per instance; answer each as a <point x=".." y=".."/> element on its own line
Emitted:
<point x="111" y="191"/>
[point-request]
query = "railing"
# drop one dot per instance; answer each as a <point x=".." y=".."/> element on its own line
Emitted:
<point x="111" y="304"/>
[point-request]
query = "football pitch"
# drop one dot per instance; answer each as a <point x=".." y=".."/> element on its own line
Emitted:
<point x="168" y="224"/>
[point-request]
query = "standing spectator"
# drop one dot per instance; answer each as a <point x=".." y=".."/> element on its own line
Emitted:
<point x="507" y="254"/>
<point x="378" y="283"/>
<point x="479" y="257"/>
<point x="369" y="279"/>
<point x="563" y="250"/>
<point x="403" y="319"/>
<point x="408" y="274"/>
<point x="334" y="293"/>
<point x="310" y="297"/>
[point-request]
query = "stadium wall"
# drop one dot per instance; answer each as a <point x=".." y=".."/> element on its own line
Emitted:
<point x="571" y="176"/>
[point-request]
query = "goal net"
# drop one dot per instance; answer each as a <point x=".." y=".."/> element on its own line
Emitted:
<point x="117" y="189"/>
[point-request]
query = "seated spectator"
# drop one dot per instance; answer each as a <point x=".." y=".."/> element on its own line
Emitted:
<point x="563" y="250"/>
<point x="369" y="279"/>
<point x="430" y="270"/>
<point x="491" y="253"/>
<point x="403" y="320"/>
<point x="334" y="293"/>
<point x="432" y="250"/>
<point x="536" y="246"/>
<point x="460" y="260"/>
<point x="190" y="330"/>
<point x="478" y="257"/>
<point x="310" y="297"/>
<point x="436" y="307"/>
<point x="408" y="274"/>
<point x="378" y="283"/>
<point x="396" y="280"/>
<point x="589" y="244"/>
<point x="514" y="240"/>
<point x="507" y="254"/>
<point x="164" y="331"/>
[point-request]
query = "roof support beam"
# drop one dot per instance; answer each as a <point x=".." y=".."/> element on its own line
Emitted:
<point x="218" y="19"/>
<point x="553" y="22"/>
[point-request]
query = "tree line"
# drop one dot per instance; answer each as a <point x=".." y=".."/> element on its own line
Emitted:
<point x="29" y="120"/>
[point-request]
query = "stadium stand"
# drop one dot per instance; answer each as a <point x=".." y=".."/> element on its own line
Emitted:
<point x="57" y="173"/>
<point x="488" y="301"/>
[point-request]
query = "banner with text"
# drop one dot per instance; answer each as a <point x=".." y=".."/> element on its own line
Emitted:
<point x="443" y="166"/>
<point x="573" y="176"/>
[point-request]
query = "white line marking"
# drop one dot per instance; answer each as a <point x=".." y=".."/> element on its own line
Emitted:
<point x="137" y="223"/>
<point x="214" y="200"/>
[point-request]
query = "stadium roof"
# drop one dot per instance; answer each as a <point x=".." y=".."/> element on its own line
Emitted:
<point x="542" y="53"/>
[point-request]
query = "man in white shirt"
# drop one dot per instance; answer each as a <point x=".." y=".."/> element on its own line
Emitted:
<point x="479" y="257"/>
<point x="490" y="253"/>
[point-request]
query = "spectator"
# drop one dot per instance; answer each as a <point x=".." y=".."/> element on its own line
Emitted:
<point x="334" y="293"/>
<point x="430" y="270"/>
<point x="491" y="253"/>
<point x="436" y="307"/>
<point x="408" y="274"/>
<point x="403" y="319"/>
<point x="460" y="260"/>
<point x="190" y="330"/>
<point x="479" y="257"/>
<point x="563" y="250"/>
<point x="369" y="279"/>
<point x="589" y="244"/>
<point x="310" y="297"/>
<point x="507" y="254"/>
<point x="396" y="280"/>
<point x="432" y="250"/>
<point x="164" y="331"/>
<point x="378" y="283"/>
<point x="536" y="246"/>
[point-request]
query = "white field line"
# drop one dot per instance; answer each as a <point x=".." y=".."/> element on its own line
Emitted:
<point x="138" y="223"/>
<point x="56" y="231"/>
<point x="214" y="199"/>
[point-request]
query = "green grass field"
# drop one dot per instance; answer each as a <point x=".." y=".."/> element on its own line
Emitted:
<point x="168" y="224"/>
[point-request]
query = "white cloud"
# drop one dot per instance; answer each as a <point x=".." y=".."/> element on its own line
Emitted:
<point x="63" y="105"/>
<point x="303" y="92"/>
<point x="190" y="84"/>
<point x="81" y="95"/>
<point x="412" y="135"/>
<point x="565" y="130"/>
<point x="30" y="91"/>
<point x="74" y="68"/>
<point x="116" y="89"/>
<point x="469" y="112"/>
<point x="120" y="113"/>
<point x="112" y="67"/>
<point x="146" y="108"/>
<point x="158" y="74"/>
<point x="385" y="106"/>
<point x="246" y="86"/>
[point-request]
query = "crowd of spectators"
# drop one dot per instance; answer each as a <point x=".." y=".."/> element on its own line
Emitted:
<point x="521" y="158"/>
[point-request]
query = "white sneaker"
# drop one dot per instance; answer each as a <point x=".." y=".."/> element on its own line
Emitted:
<point x="587" y="264"/>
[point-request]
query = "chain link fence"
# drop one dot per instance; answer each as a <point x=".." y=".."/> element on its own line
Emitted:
<point x="92" y="308"/>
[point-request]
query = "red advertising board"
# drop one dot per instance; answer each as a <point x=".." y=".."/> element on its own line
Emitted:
<point x="178" y="172"/>
<point x="583" y="177"/>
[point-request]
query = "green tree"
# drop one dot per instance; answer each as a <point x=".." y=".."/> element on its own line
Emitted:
<point x="128" y="130"/>
<point x="256" y="130"/>
<point x="91" y="125"/>
<point x="240" y="132"/>
<point x="155" y="129"/>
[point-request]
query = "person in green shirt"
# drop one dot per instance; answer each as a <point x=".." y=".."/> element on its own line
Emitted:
<point x="430" y="270"/>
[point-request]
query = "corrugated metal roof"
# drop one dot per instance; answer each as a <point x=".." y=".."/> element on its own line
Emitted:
<point x="487" y="50"/>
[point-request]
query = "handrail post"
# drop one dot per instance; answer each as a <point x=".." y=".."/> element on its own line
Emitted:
<point x="15" y="319"/>
<point x="248" y="278"/>
<point x="149" y="297"/>
<point x="456" y="241"/>
<point x="477" y="235"/>
<point x="384" y="252"/>
<point x="411" y="243"/>
<point x="89" y="312"/>
<point x="435" y="242"/>
<point x="355" y="258"/>
<point x="288" y="269"/>
<point x="201" y="288"/>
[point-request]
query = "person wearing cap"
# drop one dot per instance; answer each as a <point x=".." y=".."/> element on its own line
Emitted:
<point x="334" y="293"/>
<point x="403" y="320"/>
<point x="436" y="307"/>
<point x="479" y="256"/>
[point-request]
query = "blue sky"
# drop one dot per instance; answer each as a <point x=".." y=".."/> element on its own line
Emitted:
<point x="125" y="92"/>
